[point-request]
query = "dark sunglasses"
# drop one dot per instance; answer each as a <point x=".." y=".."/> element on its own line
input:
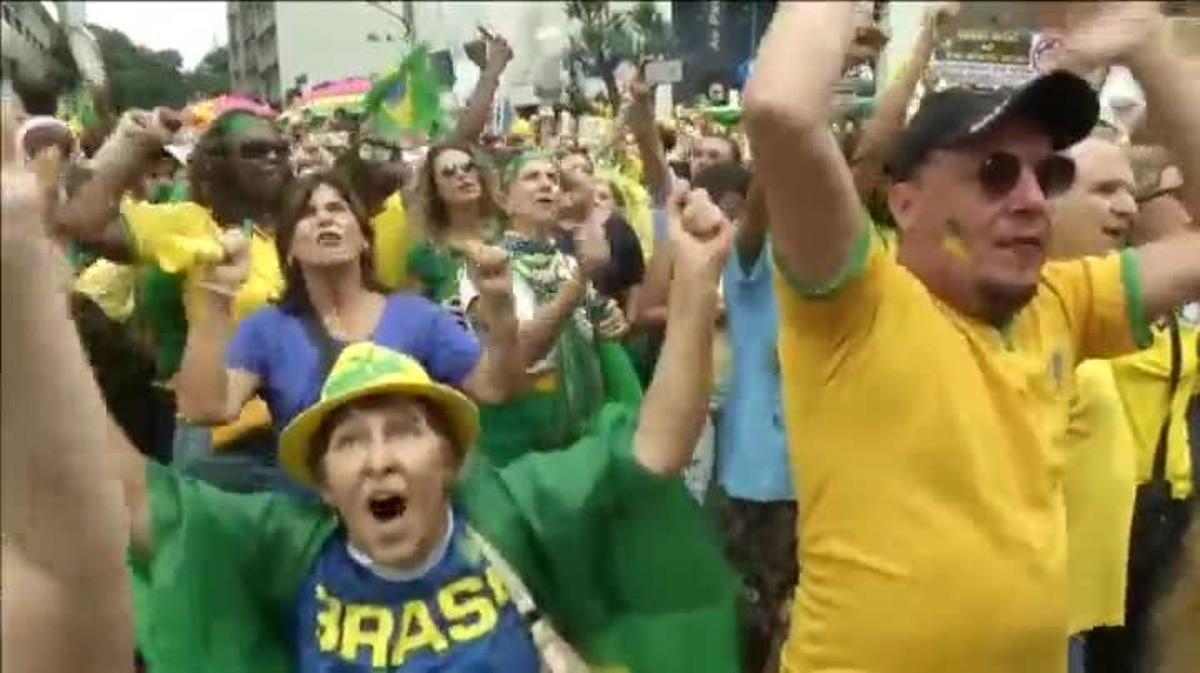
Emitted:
<point x="378" y="152"/>
<point x="450" y="170"/>
<point x="261" y="149"/>
<point x="1000" y="172"/>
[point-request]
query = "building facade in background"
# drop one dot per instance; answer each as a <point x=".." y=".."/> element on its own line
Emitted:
<point x="278" y="46"/>
<point x="27" y="35"/>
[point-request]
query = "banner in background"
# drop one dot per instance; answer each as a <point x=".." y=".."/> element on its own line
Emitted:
<point x="984" y="58"/>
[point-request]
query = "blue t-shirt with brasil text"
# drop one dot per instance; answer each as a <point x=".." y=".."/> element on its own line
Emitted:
<point x="457" y="615"/>
<point x="245" y="583"/>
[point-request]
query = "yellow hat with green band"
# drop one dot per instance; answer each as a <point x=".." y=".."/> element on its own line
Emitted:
<point x="364" y="370"/>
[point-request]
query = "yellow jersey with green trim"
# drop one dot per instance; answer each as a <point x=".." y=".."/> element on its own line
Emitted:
<point x="1143" y="380"/>
<point x="1099" y="488"/>
<point x="391" y="243"/>
<point x="928" y="462"/>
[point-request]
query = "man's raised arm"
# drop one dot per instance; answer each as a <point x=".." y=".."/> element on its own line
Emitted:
<point x="814" y="212"/>
<point x="1135" y="34"/>
<point x="65" y="524"/>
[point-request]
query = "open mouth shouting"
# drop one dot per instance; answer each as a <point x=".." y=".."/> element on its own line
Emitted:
<point x="386" y="506"/>
<point x="329" y="238"/>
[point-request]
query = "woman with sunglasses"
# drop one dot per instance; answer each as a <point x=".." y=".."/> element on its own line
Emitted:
<point x="381" y="164"/>
<point x="236" y="175"/>
<point x="285" y="350"/>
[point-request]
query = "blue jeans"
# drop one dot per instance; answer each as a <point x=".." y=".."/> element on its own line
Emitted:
<point x="248" y="466"/>
<point x="1075" y="653"/>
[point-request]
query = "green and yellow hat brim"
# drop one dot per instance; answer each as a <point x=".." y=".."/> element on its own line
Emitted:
<point x="295" y="443"/>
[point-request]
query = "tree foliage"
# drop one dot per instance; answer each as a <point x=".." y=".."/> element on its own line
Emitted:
<point x="606" y="38"/>
<point x="137" y="76"/>
<point x="211" y="76"/>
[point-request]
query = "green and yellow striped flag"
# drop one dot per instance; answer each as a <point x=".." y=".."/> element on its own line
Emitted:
<point x="408" y="99"/>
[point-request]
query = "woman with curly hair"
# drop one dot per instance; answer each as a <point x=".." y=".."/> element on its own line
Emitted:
<point x="236" y="174"/>
<point x="456" y="208"/>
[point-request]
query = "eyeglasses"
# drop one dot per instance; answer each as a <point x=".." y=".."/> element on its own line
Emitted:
<point x="450" y="170"/>
<point x="381" y="153"/>
<point x="1172" y="192"/>
<point x="1000" y="172"/>
<point x="255" y="150"/>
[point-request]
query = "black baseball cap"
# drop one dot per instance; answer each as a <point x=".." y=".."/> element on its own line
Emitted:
<point x="1063" y="105"/>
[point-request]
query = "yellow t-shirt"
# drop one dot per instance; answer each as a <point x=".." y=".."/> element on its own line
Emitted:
<point x="180" y="237"/>
<point x="391" y="244"/>
<point x="1143" y="381"/>
<point x="1099" y="490"/>
<point x="927" y="457"/>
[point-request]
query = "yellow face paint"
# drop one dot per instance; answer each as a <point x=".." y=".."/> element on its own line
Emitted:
<point x="954" y="245"/>
<point x="953" y="242"/>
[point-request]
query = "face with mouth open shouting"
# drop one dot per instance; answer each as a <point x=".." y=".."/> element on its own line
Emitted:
<point x="328" y="233"/>
<point x="387" y="467"/>
<point x="533" y="193"/>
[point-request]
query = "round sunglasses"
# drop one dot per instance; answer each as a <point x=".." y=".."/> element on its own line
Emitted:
<point x="450" y="170"/>
<point x="1000" y="172"/>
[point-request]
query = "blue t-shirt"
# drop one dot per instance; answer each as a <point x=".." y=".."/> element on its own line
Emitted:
<point x="752" y="458"/>
<point x="277" y="347"/>
<point x="456" y="617"/>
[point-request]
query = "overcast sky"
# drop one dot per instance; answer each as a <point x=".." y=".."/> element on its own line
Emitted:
<point x="191" y="28"/>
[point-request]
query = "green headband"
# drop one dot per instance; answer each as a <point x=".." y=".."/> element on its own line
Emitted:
<point x="518" y="162"/>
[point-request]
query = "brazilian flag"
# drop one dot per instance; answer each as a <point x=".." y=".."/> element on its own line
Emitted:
<point x="408" y="99"/>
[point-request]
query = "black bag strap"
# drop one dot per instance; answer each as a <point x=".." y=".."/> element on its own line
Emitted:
<point x="1159" y="470"/>
<point x="328" y="348"/>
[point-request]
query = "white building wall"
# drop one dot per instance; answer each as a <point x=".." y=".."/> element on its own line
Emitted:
<point x="329" y="41"/>
<point x="27" y="33"/>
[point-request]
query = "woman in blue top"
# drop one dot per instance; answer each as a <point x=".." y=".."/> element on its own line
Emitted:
<point x="284" y="351"/>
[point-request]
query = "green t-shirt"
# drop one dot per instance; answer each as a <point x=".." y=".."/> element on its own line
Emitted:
<point x="583" y="527"/>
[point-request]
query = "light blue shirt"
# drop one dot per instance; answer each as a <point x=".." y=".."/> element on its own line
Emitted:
<point x="752" y="457"/>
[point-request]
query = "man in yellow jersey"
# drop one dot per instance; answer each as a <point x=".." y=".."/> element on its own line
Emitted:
<point x="1094" y="217"/>
<point x="1155" y="388"/>
<point x="924" y="394"/>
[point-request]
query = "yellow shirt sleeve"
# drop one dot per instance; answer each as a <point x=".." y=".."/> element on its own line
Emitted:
<point x="836" y="317"/>
<point x="1102" y="299"/>
<point x="391" y="244"/>
<point x="172" y="236"/>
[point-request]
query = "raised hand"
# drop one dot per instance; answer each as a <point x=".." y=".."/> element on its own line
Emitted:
<point x="21" y="197"/>
<point x="227" y="276"/>
<point x="138" y="136"/>
<point x="487" y="266"/>
<point x="591" y="245"/>
<point x="701" y="236"/>
<point x="942" y="17"/>
<point x="1102" y="33"/>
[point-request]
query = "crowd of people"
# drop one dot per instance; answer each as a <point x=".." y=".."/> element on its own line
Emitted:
<point x="919" y="396"/>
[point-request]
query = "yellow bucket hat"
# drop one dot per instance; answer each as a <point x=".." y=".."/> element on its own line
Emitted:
<point x="362" y="370"/>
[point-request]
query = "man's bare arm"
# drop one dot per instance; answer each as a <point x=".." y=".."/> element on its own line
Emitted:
<point x="812" y="206"/>
<point x="676" y="402"/>
<point x="1170" y="273"/>
<point x="65" y="524"/>
<point x="654" y="158"/>
<point x="883" y="130"/>
<point x="479" y="107"/>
